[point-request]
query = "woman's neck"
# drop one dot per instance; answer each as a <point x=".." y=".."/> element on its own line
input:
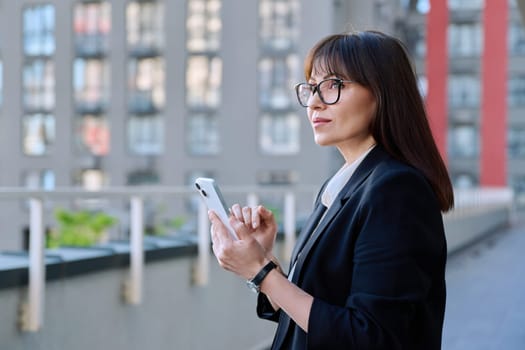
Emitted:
<point x="352" y="152"/>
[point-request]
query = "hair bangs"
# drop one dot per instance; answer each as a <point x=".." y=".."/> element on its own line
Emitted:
<point x="337" y="55"/>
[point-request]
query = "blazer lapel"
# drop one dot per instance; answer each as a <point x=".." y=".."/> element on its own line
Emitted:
<point x="361" y="173"/>
<point x="306" y="232"/>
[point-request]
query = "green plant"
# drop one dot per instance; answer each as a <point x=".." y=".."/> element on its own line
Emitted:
<point x="79" y="228"/>
<point x="161" y="224"/>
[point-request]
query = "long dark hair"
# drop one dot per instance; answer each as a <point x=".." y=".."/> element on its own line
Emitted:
<point x="380" y="62"/>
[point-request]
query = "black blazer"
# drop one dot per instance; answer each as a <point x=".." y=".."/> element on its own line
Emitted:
<point x="375" y="265"/>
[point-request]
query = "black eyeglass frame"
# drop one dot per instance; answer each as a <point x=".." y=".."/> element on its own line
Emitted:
<point x="315" y="88"/>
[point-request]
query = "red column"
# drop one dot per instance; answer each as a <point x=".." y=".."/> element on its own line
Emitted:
<point x="493" y="157"/>
<point x="437" y="73"/>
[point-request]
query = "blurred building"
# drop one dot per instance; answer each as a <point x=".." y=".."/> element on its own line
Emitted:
<point x="467" y="61"/>
<point x="116" y="93"/>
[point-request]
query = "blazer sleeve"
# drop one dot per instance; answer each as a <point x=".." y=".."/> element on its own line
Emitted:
<point x="398" y="253"/>
<point x="265" y="309"/>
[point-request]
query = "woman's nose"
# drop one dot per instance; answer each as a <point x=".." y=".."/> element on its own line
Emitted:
<point x="315" y="101"/>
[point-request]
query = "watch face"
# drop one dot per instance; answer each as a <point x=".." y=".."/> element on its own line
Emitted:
<point x="253" y="287"/>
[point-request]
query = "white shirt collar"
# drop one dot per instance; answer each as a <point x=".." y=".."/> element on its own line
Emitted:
<point x="339" y="180"/>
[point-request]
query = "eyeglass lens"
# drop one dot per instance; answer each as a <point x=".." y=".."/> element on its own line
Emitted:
<point x="328" y="91"/>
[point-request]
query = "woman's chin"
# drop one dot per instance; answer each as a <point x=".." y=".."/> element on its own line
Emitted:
<point x="321" y="141"/>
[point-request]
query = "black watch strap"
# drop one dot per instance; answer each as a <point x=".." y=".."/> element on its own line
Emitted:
<point x="255" y="282"/>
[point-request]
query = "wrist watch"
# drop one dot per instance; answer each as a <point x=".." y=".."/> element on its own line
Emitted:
<point x="255" y="283"/>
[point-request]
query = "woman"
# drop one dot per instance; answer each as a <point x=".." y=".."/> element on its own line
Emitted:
<point x="368" y="271"/>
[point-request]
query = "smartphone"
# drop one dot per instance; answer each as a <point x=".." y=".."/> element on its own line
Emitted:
<point x="211" y="194"/>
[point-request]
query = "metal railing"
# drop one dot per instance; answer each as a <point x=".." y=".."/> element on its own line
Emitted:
<point x="466" y="201"/>
<point x="32" y="309"/>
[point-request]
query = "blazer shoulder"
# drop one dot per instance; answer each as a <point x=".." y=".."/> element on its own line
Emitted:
<point x="391" y="175"/>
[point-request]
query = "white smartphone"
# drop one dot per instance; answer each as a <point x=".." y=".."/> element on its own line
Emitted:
<point x="212" y="196"/>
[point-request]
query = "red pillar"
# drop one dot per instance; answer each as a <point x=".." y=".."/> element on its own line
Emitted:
<point x="437" y="73"/>
<point x="493" y="157"/>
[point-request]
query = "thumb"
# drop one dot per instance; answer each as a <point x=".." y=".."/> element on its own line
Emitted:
<point x="266" y="214"/>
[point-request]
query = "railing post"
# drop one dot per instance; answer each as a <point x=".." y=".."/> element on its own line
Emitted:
<point x="289" y="224"/>
<point x="134" y="290"/>
<point x="252" y="200"/>
<point x="32" y="312"/>
<point x="201" y="270"/>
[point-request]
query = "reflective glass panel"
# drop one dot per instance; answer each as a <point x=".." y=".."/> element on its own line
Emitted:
<point x="279" y="134"/>
<point x="203" y="135"/>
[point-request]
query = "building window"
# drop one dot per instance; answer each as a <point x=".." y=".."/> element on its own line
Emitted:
<point x="90" y="179"/>
<point x="39" y="85"/>
<point x="145" y="28"/>
<point x="203" y="76"/>
<point x="143" y="177"/>
<point x="420" y="6"/>
<point x="91" y="85"/>
<point x="92" y="135"/>
<point x="91" y="79"/>
<point x="517" y="38"/>
<point x="39" y="133"/>
<point x="463" y="141"/>
<point x="146" y="86"/>
<point x="203" y="82"/>
<point x="465" y="39"/>
<point x="279" y="69"/>
<point x="517" y="91"/>
<point x="465" y="4"/>
<point x="38" y="80"/>
<point x="277" y="76"/>
<point x="146" y="77"/>
<point x="516" y="143"/>
<point x="415" y="39"/>
<point x="203" y="135"/>
<point x="39" y="179"/>
<point x="464" y="180"/>
<point x="92" y="25"/>
<point x="279" y="24"/>
<point x="204" y="25"/>
<point x="39" y="30"/>
<point x="464" y="90"/>
<point x="279" y="134"/>
<point x="146" y="135"/>
<point x="518" y="184"/>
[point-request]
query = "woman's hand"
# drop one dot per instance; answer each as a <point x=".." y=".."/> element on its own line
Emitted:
<point x="244" y="257"/>
<point x="260" y="222"/>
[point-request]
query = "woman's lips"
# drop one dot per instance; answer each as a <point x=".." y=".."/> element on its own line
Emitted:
<point x="320" y="121"/>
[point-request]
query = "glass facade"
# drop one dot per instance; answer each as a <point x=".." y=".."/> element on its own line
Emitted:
<point x="91" y="78"/>
<point x="464" y="90"/>
<point x="516" y="142"/>
<point x="203" y="76"/>
<point x="465" y="39"/>
<point x="463" y="141"/>
<point x="38" y="79"/>
<point x="146" y="79"/>
<point x="516" y="88"/>
<point x="278" y="70"/>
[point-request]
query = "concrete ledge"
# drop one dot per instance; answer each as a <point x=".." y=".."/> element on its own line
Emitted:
<point x="66" y="262"/>
<point x="467" y="228"/>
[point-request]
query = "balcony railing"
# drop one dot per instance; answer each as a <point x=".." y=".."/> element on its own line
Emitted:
<point x="467" y="202"/>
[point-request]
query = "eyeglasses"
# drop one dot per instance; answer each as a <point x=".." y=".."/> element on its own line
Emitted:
<point x="329" y="91"/>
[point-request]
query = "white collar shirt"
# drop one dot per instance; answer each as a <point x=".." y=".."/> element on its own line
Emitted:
<point x="339" y="180"/>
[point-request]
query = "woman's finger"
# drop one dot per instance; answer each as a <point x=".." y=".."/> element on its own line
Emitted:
<point x="236" y="211"/>
<point x="247" y="215"/>
<point x="256" y="217"/>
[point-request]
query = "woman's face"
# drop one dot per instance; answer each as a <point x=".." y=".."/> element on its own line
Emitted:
<point x="344" y="124"/>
